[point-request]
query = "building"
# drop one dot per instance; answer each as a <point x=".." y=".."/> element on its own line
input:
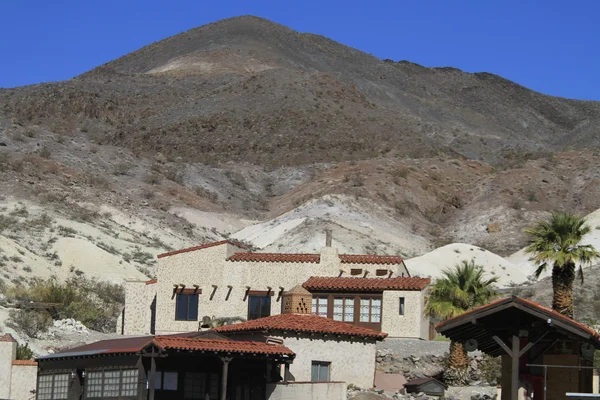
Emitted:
<point x="544" y="353"/>
<point x="224" y="279"/>
<point x="326" y="350"/>
<point x="196" y="366"/>
<point x="17" y="377"/>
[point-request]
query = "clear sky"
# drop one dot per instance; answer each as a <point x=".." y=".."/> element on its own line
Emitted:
<point x="552" y="46"/>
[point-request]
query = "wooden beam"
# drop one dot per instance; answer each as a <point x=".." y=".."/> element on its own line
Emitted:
<point x="152" y="375"/>
<point x="500" y="342"/>
<point x="514" y="373"/>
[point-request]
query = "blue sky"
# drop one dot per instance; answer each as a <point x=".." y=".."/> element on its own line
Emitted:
<point x="552" y="46"/>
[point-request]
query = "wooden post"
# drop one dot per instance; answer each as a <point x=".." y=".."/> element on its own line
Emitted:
<point x="224" y="373"/>
<point x="152" y="375"/>
<point x="286" y="372"/>
<point x="514" y="390"/>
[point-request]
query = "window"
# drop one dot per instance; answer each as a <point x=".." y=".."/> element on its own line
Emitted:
<point x="320" y="371"/>
<point x="197" y="385"/>
<point x="186" y="307"/>
<point x="259" y="307"/>
<point x="370" y="310"/>
<point x="319" y="306"/>
<point x="53" y="386"/>
<point x="165" y="380"/>
<point x="355" y="271"/>
<point x="111" y="383"/>
<point x="343" y="309"/>
<point x="381" y="272"/>
<point x="401" y="305"/>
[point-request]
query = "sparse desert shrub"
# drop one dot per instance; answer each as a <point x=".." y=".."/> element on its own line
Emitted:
<point x="355" y="179"/>
<point x="174" y="174"/>
<point x="398" y="173"/>
<point x="83" y="214"/>
<point x="97" y="181"/>
<point x="152" y="179"/>
<point x="148" y="194"/>
<point x="122" y="169"/>
<point x="45" y="152"/>
<point x="402" y="207"/>
<point x="515" y="203"/>
<point x="24" y="352"/>
<point x="142" y="257"/>
<point x="236" y="179"/>
<point x="66" y="231"/>
<point x="20" y="211"/>
<point x="491" y="368"/>
<point x="532" y="196"/>
<point x="7" y="223"/>
<point x="30" y="322"/>
<point x="206" y="193"/>
<point x="16" y="259"/>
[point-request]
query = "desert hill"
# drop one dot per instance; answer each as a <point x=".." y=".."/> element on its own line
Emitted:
<point x="249" y="90"/>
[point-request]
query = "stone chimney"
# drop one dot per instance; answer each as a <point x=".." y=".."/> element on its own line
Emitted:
<point x="297" y="300"/>
<point x="328" y="237"/>
<point x="8" y="352"/>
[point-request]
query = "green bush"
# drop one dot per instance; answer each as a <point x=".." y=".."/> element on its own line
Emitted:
<point x="96" y="304"/>
<point x="29" y="322"/>
<point x="24" y="352"/>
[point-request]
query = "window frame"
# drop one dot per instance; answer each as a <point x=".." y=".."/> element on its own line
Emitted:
<point x="316" y="303"/>
<point x="320" y="365"/>
<point x="401" y="305"/>
<point x="347" y="302"/>
<point x="370" y="299"/>
<point x="261" y="298"/>
<point x="190" y="298"/>
<point x="120" y="389"/>
<point x="53" y="386"/>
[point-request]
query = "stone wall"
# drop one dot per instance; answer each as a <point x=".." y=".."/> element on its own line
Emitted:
<point x="307" y="390"/>
<point x="413" y="324"/>
<point x="23" y="381"/>
<point x="137" y="314"/>
<point x="227" y="298"/>
<point x="352" y="362"/>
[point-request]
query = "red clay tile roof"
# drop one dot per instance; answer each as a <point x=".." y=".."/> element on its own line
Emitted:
<point x="151" y="281"/>
<point x="204" y="246"/>
<point x="301" y="323"/>
<point x="369" y="259"/>
<point x="221" y="346"/>
<point x="7" y="338"/>
<point x="528" y="303"/>
<point x="24" y="362"/>
<point x="365" y="284"/>
<point x="276" y="257"/>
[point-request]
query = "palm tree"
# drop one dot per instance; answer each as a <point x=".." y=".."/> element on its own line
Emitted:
<point x="557" y="241"/>
<point x="459" y="290"/>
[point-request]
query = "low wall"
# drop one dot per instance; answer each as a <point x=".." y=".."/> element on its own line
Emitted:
<point x="23" y="380"/>
<point x="307" y="390"/>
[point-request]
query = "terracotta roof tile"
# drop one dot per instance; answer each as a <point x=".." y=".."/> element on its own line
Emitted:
<point x="276" y="257"/>
<point x="528" y="303"/>
<point x="204" y="246"/>
<point x="221" y="346"/>
<point x="301" y="323"/>
<point x="7" y="338"/>
<point x="151" y="281"/>
<point x="24" y="362"/>
<point x="365" y="284"/>
<point x="369" y="259"/>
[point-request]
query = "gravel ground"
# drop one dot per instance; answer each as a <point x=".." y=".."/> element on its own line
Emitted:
<point x="413" y="347"/>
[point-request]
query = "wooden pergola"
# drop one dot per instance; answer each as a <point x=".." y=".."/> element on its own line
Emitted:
<point x="530" y="338"/>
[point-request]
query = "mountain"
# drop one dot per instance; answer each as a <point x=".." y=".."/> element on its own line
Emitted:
<point x="249" y="90"/>
<point x="246" y="129"/>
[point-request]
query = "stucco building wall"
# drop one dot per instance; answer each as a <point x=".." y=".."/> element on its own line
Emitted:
<point x="209" y="266"/>
<point x="307" y="390"/>
<point x="23" y="381"/>
<point x="137" y="314"/>
<point x="8" y="352"/>
<point x="413" y="324"/>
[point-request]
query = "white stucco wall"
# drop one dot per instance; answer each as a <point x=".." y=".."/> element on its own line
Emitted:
<point x="207" y="267"/>
<point x="351" y="361"/>
<point x="137" y="314"/>
<point x="8" y="352"/>
<point x="23" y="381"/>
<point x="306" y="391"/>
<point x="413" y="324"/>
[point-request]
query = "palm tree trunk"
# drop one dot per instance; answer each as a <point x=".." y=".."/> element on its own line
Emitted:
<point x="458" y="358"/>
<point x="563" y="277"/>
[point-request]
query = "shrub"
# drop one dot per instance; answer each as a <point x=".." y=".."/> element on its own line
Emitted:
<point x="174" y="174"/>
<point x="355" y="179"/>
<point x="152" y="179"/>
<point x="45" y="152"/>
<point x="24" y="352"/>
<point x="491" y="368"/>
<point x="400" y="172"/>
<point x="29" y="322"/>
<point x="121" y="169"/>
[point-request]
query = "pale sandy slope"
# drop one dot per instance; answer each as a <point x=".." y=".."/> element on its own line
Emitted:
<point x="522" y="260"/>
<point x="355" y="230"/>
<point x="435" y="262"/>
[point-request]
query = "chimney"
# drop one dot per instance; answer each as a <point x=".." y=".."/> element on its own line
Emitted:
<point x="328" y="237"/>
